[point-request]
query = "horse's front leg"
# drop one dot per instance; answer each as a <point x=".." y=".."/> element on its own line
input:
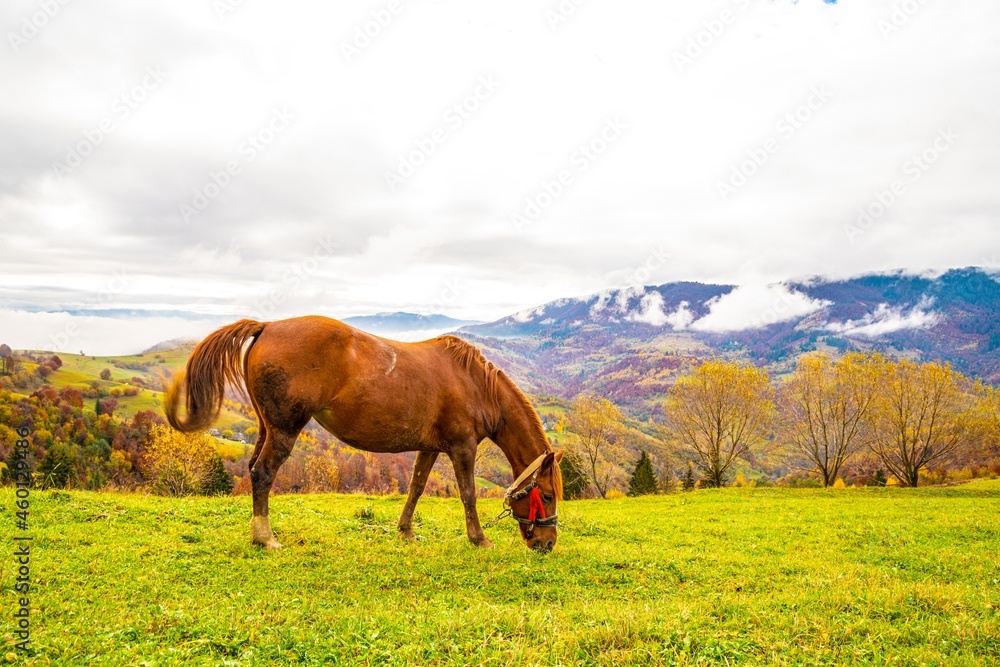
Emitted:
<point x="421" y="471"/>
<point x="464" y="460"/>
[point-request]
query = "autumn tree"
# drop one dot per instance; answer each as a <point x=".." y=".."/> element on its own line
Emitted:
<point x="922" y="413"/>
<point x="720" y="412"/>
<point x="6" y="358"/>
<point x="106" y="374"/>
<point x="179" y="464"/>
<point x="824" y="406"/>
<point x="987" y="421"/>
<point x="599" y="423"/>
<point x="322" y="473"/>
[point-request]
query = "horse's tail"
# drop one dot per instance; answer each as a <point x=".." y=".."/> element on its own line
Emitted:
<point x="216" y="360"/>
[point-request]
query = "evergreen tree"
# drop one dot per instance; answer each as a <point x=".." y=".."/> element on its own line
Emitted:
<point x="879" y="479"/>
<point x="643" y="481"/>
<point x="57" y="469"/>
<point x="97" y="406"/>
<point x="688" y="483"/>
<point x="217" y="480"/>
<point x="575" y="480"/>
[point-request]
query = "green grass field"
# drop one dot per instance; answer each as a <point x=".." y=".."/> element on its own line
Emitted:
<point x="714" y="577"/>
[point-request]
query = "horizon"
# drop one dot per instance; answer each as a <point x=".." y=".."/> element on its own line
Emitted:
<point x="748" y="301"/>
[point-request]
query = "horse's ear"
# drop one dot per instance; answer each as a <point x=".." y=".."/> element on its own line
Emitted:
<point x="559" y="455"/>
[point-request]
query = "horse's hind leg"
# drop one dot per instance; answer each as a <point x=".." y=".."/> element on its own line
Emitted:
<point x="421" y="471"/>
<point x="277" y="446"/>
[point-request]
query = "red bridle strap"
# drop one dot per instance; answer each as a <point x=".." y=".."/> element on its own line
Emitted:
<point x="536" y="508"/>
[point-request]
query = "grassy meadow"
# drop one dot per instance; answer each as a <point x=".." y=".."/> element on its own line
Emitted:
<point x="714" y="577"/>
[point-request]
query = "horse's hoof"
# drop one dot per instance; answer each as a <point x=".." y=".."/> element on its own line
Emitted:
<point x="271" y="544"/>
<point x="407" y="535"/>
<point x="484" y="543"/>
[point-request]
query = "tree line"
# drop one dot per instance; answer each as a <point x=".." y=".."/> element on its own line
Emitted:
<point x="877" y="417"/>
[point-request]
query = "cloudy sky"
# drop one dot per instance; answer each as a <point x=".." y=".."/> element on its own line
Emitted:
<point x="167" y="167"/>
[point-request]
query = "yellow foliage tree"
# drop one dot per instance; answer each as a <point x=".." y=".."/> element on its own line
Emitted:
<point x="599" y="423"/>
<point x="922" y="413"/>
<point x="322" y="473"/>
<point x="824" y="407"/>
<point x="177" y="464"/>
<point x="721" y="412"/>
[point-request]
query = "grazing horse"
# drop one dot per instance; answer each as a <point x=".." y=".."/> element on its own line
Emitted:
<point x="378" y="395"/>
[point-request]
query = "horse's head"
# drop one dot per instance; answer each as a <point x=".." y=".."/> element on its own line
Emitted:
<point x="532" y="499"/>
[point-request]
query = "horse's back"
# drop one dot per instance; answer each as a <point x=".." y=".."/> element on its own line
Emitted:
<point x="374" y="393"/>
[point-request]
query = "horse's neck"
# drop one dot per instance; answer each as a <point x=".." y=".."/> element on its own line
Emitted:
<point x="520" y="437"/>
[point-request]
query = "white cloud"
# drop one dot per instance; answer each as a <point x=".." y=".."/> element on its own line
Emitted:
<point x="681" y="318"/>
<point x="528" y="314"/>
<point x="651" y="312"/>
<point x="754" y="306"/>
<point x="888" y="319"/>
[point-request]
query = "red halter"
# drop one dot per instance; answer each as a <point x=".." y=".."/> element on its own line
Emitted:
<point x="536" y="509"/>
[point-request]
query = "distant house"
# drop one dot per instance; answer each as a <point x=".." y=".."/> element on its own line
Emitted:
<point x="215" y="433"/>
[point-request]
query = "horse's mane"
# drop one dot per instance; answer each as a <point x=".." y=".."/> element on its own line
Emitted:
<point x="471" y="357"/>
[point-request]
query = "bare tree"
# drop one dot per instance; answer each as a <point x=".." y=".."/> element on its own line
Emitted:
<point x="720" y="412"/>
<point x="824" y="406"/>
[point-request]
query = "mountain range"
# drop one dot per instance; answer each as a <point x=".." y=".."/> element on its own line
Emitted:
<point x="629" y="344"/>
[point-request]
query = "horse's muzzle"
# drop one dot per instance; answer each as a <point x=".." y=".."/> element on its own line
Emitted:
<point x="542" y="546"/>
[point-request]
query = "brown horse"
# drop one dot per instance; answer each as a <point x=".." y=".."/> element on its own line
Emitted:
<point x="440" y="395"/>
